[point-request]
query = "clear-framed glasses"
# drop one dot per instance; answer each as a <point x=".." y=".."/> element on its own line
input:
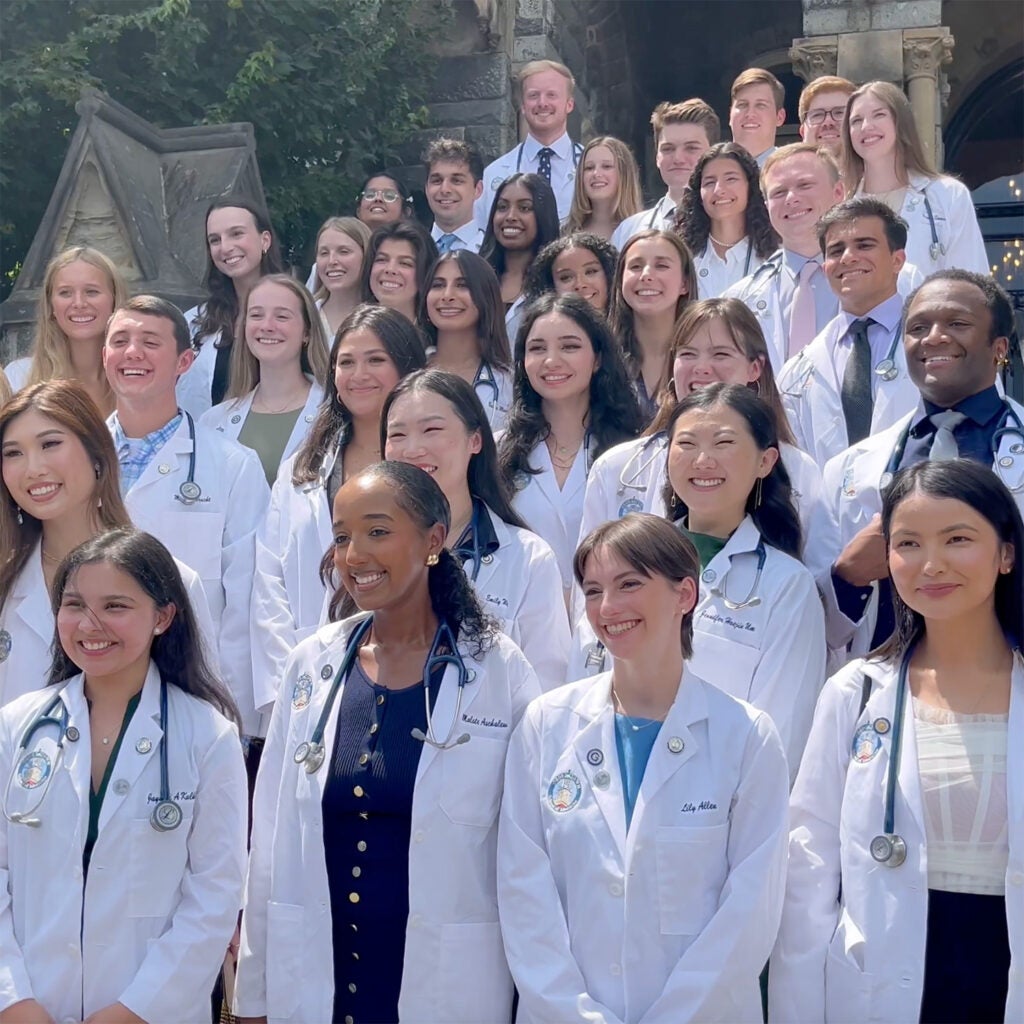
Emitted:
<point x="816" y="117"/>
<point x="389" y="195"/>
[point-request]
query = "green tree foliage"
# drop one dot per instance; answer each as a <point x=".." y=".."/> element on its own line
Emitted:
<point x="333" y="88"/>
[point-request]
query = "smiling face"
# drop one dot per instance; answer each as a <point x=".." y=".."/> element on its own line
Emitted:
<point x="945" y="558"/>
<point x="714" y="463"/>
<point x="450" y="305"/>
<point x="947" y="338"/>
<point x="600" y="174"/>
<point x="82" y="300"/>
<point x="46" y="469"/>
<point x="380" y="202"/>
<point x="141" y="358"/>
<point x="546" y="105"/>
<point x="451" y="193"/>
<point x="823" y="121"/>
<point x="106" y="622"/>
<point x="515" y="223"/>
<point x="577" y="271"/>
<point x="380" y="552"/>
<point x="680" y="146"/>
<point x="652" y="277"/>
<point x="393" y="275"/>
<point x="275" y="327"/>
<point x="798" y="191"/>
<point x="424" y="430"/>
<point x="338" y="261"/>
<point x="236" y="244"/>
<point x="859" y="264"/>
<point x="753" y="118"/>
<point x="629" y="610"/>
<point x="559" y="359"/>
<point x="872" y="129"/>
<point x="711" y="355"/>
<point x="364" y="374"/>
<point x="723" y="189"/>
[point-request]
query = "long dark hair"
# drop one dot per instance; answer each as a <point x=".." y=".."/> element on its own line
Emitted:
<point x="540" y="278"/>
<point x="220" y="311"/>
<point x="452" y="597"/>
<point x="178" y="651"/>
<point x="545" y="209"/>
<point x="404" y="345"/>
<point x="423" y="247"/>
<point x="775" y="516"/>
<point x="482" y="477"/>
<point x="977" y="486"/>
<point x="485" y="291"/>
<point x="692" y="220"/>
<point x="614" y="415"/>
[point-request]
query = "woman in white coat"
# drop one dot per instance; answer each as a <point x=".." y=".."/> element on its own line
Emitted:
<point x="371" y="891"/>
<point x="122" y="841"/>
<point x="434" y="420"/>
<point x="642" y="844"/>
<point x="59" y="486"/>
<point x="241" y="249"/>
<point x="277" y="374"/>
<point x="573" y="401"/>
<point x="905" y="898"/>
<point x="463" y="317"/>
<point x="883" y="156"/>
<point x="715" y="341"/>
<point x="336" y="279"/>
<point x="373" y="350"/>
<point x="759" y="612"/>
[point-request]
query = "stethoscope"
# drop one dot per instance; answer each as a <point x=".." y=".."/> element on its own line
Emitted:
<point x="473" y="551"/>
<point x="936" y="249"/>
<point x="166" y="814"/>
<point x="643" y="464"/>
<point x="886" y="369"/>
<point x="577" y="152"/>
<point x="485" y="377"/>
<point x="751" y="600"/>
<point x="1005" y="428"/>
<point x="190" y="492"/>
<point x="311" y="753"/>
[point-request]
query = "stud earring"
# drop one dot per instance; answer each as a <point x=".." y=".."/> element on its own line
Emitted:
<point x="432" y="559"/>
<point x="96" y="469"/>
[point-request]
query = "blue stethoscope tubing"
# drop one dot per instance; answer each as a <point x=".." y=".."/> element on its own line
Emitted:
<point x="577" y="152"/>
<point x="311" y="753"/>
<point x="485" y="376"/>
<point x="166" y="814"/>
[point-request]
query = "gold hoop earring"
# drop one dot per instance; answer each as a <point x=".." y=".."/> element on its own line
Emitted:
<point x="432" y="559"/>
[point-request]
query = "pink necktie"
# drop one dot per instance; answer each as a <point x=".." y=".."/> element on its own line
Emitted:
<point x="802" y="315"/>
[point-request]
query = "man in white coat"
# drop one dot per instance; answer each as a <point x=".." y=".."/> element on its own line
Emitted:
<point x="851" y="380"/>
<point x="454" y="182"/>
<point x="545" y="101"/>
<point x="956" y="339"/>
<point x="200" y="494"/>
<point x="683" y="133"/>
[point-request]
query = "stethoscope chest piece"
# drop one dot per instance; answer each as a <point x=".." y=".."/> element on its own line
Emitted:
<point x="190" y="492"/>
<point x="887" y="370"/>
<point x="310" y="755"/>
<point x="166" y="816"/>
<point x="889" y="849"/>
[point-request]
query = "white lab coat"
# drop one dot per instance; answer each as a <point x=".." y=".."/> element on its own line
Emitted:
<point x="771" y="654"/>
<point x="715" y="275"/>
<point x="228" y="418"/>
<point x="151" y="928"/>
<point x="811" y="392"/>
<point x="496" y="398"/>
<point x="642" y="465"/>
<point x="659" y="217"/>
<point x="195" y="385"/>
<point x="670" y="920"/>
<point x="216" y="536"/>
<point x="761" y="293"/>
<point x="853" y="480"/>
<point x="17" y="373"/>
<point x="513" y="319"/>
<point x="27" y="619"/>
<point x="454" y="967"/>
<point x="852" y="942"/>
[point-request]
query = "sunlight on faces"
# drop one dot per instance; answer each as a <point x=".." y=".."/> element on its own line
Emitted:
<point x="377" y="210"/>
<point x="275" y="326"/>
<point x="600" y="174"/>
<point x="451" y="192"/>
<point x="82" y="301"/>
<point x="339" y="259"/>
<point x="450" y="305"/>
<point x="859" y="264"/>
<point x="236" y="244"/>
<point x="140" y="356"/>
<point x="872" y="128"/>
<point x="364" y="373"/>
<point x="828" y="132"/>
<point x="559" y="359"/>
<point x="393" y="276"/>
<point x="653" y="279"/>
<point x="724" y="190"/>
<point x="577" y="271"/>
<point x="711" y="355"/>
<point x="680" y="147"/>
<point x="515" y="223"/>
<point x="798" y="191"/>
<point x="546" y="104"/>
<point x="753" y="118"/>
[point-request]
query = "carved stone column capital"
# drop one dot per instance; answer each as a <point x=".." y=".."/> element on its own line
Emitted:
<point x="926" y="51"/>
<point x="815" y="56"/>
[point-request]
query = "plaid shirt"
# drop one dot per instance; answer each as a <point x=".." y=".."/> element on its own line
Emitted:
<point x="136" y="453"/>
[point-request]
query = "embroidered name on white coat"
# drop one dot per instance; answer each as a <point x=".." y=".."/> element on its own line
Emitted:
<point x="726" y="620"/>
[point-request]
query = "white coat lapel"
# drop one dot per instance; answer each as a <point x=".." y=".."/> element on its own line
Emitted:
<point x="32" y="601"/>
<point x="305" y="420"/>
<point x="234" y="416"/>
<point x="168" y="463"/>
<point x="1015" y="750"/>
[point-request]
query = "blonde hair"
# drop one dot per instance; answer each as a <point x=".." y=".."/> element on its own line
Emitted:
<point x="628" y="197"/>
<point x="245" y="367"/>
<point x="910" y="154"/>
<point x="827" y="83"/>
<point x="5" y="388"/>
<point x="351" y="226"/>
<point x="784" y="153"/>
<point x="51" y="359"/>
<point x="759" y="76"/>
<point x="535" y="67"/>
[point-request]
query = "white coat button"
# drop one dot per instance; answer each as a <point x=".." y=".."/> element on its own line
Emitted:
<point x="418" y="836"/>
<point x="615" y="969"/>
<point x="615" y="889"/>
<point x="414" y="921"/>
<point x="1017" y="878"/>
<point x="163" y="469"/>
<point x="121" y="786"/>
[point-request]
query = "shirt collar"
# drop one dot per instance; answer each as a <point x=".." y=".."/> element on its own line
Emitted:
<point x="981" y="408"/>
<point x="466" y="233"/>
<point x="887" y="313"/>
<point x="795" y="262"/>
<point x="562" y="147"/>
<point x="161" y="434"/>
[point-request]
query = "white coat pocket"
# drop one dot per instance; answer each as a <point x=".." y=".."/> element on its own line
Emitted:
<point x="692" y="866"/>
<point x="473" y="978"/>
<point x="286" y="941"/>
<point x="724" y="659"/>
<point x="156" y="864"/>
<point x="847" y="987"/>
<point x="472" y="775"/>
<point x="197" y="538"/>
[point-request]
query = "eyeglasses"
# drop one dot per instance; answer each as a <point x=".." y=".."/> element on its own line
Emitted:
<point x="389" y="195"/>
<point x="816" y="117"/>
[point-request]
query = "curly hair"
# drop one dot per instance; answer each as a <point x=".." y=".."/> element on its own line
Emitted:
<point x="692" y="220"/>
<point x="613" y="415"/>
<point x="545" y="210"/>
<point x="453" y="598"/>
<point x="540" y="278"/>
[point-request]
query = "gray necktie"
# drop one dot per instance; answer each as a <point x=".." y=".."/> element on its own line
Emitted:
<point x="858" y="403"/>
<point x="944" y="445"/>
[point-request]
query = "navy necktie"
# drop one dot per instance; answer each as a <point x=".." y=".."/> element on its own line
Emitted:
<point x="544" y="163"/>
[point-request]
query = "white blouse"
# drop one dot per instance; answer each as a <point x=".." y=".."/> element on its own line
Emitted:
<point x="962" y="765"/>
